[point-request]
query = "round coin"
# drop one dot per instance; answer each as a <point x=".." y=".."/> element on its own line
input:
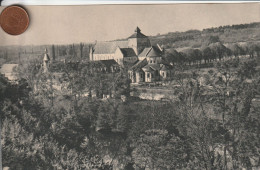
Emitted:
<point x="14" y="20"/>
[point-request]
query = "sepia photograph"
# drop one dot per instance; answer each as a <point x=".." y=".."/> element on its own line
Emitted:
<point x="130" y="87"/>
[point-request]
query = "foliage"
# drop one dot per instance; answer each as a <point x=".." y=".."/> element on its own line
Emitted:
<point x="208" y="126"/>
<point x="198" y="39"/>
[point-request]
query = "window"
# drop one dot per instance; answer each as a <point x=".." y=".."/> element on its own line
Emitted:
<point x="163" y="74"/>
<point x="151" y="75"/>
<point x="151" y="61"/>
<point x="148" y="75"/>
<point x="141" y="75"/>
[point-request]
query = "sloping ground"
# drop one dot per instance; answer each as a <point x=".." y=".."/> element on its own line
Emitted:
<point x="197" y="38"/>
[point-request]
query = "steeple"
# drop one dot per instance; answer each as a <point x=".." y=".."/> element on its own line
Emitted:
<point x="137" y="29"/>
<point x="46" y="56"/>
<point x="46" y="60"/>
<point x="137" y="34"/>
<point x="138" y="41"/>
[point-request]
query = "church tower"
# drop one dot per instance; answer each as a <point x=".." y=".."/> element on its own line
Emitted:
<point x="46" y="61"/>
<point x="138" y="41"/>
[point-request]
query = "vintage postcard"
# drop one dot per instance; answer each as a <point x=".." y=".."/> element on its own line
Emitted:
<point x="124" y="87"/>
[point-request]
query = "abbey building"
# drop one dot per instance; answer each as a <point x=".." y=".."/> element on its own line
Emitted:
<point x="145" y="61"/>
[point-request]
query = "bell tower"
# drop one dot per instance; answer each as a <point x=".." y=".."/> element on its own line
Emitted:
<point x="138" y="41"/>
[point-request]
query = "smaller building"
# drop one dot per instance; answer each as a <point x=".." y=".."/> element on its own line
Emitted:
<point x="128" y="55"/>
<point x="136" y="73"/>
<point x="150" y="67"/>
<point x="10" y="71"/>
<point x="157" y="72"/>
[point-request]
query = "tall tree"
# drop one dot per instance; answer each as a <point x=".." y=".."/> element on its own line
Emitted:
<point x="53" y="52"/>
<point x="172" y="56"/>
<point x="219" y="50"/>
<point x="206" y="54"/>
<point x="236" y="49"/>
<point x="81" y="46"/>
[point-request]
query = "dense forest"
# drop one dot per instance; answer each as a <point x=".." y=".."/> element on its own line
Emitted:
<point x="204" y="128"/>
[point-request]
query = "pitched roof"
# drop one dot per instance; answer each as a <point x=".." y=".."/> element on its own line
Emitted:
<point x="137" y="34"/>
<point x="109" y="47"/>
<point x="144" y="52"/>
<point x="152" y="66"/>
<point x="128" y="52"/>
<point x="46" y="57"/>
<point x="148" y="69"/>
<point x="139" y="65"/>
<point x="153" y="51"/>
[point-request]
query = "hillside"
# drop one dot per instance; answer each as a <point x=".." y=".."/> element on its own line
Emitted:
<point x="196" y="38"/>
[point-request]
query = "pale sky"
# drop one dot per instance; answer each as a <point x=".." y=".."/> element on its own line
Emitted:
<point x="74" y="24"/>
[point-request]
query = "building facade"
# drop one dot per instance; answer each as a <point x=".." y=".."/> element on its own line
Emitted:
<point x="151" y="67"/>
<point x="145" y="61"/>
<point x="121" y="51"/>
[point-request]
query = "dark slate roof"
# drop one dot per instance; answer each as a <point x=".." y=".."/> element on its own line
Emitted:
<point x="109" y="47"/>
<point x="153" y="51"/>
<point x="128" y="52"/>
<point x="152" y="66"/>
<point x="144" y="52"/>
<point x="139" y="65"/>
<point x="138" y="34"/>
<point x="107" y="63"/>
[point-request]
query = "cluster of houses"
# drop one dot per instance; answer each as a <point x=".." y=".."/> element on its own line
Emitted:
<point x="144" y="62"/>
